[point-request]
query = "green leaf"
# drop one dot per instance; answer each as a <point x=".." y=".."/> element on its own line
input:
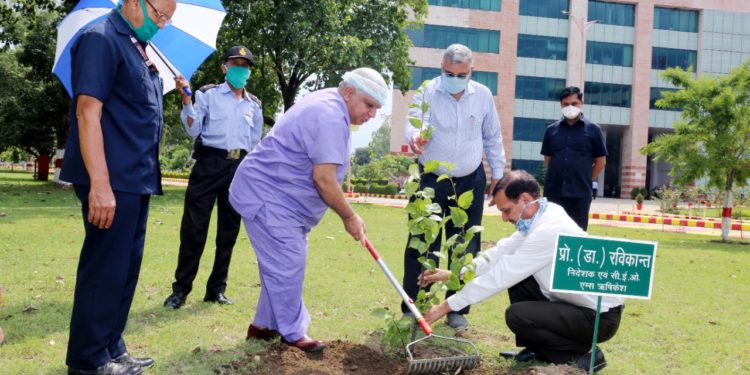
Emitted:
<point x="459" y="217"/>
<point x="469" y="275"/>
<point x="414" y="171"/>
<point x="426" y="133"/>
<point x="411" y="188"/>
<point x="429" y="192"/>
<point x="465" y="199"/>
<point x="443" y="177"/>
<point x="440" y="254"/>
<point x="414" y="105"/>
<point x="475" y="229"/>
<point x="429" y="264"/>
<point x="418" y="244"/>
<point x="453" y="282"/>
<point x="431" y="166"/>
<point x="415" y="122"/>
<point x="425" y="106"/>
<point x="434" y="208"/>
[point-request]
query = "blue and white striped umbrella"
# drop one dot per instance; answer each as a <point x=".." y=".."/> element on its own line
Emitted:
<point x="179" y="48"/>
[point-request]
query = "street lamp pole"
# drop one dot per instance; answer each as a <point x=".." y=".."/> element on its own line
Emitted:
<point x="583" y="25"/>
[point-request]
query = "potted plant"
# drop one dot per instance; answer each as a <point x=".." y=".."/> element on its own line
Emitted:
<point x="639" y="201"/>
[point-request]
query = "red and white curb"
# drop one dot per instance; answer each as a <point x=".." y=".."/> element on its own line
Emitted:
<point x="702" y="223"/>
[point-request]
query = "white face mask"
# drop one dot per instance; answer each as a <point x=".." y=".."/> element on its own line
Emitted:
<point x="571" y="112"/>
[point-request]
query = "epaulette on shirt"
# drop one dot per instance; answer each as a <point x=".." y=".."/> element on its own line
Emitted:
<point x="255" y="99"/>
<point x="207" y="87"/>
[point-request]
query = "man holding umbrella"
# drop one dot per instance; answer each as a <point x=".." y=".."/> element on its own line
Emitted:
<point x="112" y="161"/>
<point x="226" y="122"/>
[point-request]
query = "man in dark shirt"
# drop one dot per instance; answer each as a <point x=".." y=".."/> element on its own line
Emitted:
<point x="574" y="153"/>
<point x="112" y="161"/>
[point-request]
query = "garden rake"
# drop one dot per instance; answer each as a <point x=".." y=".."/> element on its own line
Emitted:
<point x="450" y="364"/>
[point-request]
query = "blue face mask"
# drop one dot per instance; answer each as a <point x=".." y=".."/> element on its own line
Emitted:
<point x="523" y="225"/>
<point x="454" y="85"/>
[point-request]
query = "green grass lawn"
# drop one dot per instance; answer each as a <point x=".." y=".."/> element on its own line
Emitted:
<point x="697" y="322"/>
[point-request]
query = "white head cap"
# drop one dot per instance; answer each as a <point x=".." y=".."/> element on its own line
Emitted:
<point x="368" y="81"/>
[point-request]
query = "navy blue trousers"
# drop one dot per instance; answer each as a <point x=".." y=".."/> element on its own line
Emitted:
<point x="105" y="282"/>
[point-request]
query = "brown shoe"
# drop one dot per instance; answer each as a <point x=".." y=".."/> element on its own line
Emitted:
<point x="306" y="344"/>
<point x="256" y="333"/>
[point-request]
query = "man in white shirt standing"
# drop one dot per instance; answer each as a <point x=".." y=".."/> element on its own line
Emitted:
<point x="464" y="123"/>
<point x="553" y="327"/>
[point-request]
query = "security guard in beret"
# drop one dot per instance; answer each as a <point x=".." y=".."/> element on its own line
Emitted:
<point x="226" y="122"/>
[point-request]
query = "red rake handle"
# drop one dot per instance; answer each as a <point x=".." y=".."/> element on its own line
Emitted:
<point x="409" y="303"/>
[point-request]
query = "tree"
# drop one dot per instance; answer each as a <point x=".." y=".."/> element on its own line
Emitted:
<point x="380" y="145"/>
<point x="712" y="138"/>
<point x="34" y="110"/>
<point x="361" y="156"/>
<point x="396" y="168"/>
<point x="310" y="44"/>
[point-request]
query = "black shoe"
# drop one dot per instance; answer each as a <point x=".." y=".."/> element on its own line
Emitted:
<point x="128" y="360"/>
<point x="175" y="300"/>
<point x="111" y="368"/>
<point x="524" y="355"/>
<point x="219" y="298"/>
<point x="584" y="361"/>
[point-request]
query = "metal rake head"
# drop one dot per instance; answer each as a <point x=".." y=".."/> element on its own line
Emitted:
<point x="453" y="363"/>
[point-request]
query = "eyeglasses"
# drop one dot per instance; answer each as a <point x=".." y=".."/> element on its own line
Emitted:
<point x="161" y="17"/>
<point x="452" y="75"/>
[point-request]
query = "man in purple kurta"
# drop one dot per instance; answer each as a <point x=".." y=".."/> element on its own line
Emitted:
<point x="283" y="188"/>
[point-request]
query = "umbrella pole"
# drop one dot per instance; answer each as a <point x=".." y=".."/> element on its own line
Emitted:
<point x="185" y="89"/>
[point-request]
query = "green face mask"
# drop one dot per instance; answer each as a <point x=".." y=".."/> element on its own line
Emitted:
<point x="147" y="30"/>
<point x="237" y="76"/>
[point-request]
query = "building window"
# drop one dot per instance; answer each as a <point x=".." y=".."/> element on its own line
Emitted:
<point x="478" y="40"/>
<point x="612" y="13"/>
<point x="469" y="4"/>
<point x="544" y="8"/>
<point x="607" y="94"/>
<point x="656" y="94"/>
<point x="420" y="74"/>
<point x="529" y="129"/>
<point x="609" y="54"/>
<point x="663" y="58"/>
<point x="542" y="47"/>
<point x="538" y="88"/>
<point x="676" y="19"/>
<point x="534" y="167"/>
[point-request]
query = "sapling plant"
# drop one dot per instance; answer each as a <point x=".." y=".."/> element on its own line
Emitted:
<point x="426" y="223"/>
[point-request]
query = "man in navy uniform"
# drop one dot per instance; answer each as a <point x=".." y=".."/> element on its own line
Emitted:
<point x="227" y="122"/>
<point x="574" y="153"/>
<point x="112" y="160"/>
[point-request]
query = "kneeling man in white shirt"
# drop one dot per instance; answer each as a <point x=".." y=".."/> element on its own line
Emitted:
<point x="552" y="327"/>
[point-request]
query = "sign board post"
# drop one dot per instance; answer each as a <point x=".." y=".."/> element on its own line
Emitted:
<point x="603" y="267"/>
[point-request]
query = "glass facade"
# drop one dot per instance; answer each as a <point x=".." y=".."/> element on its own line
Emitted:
<point x="469" y="4"/>
<point x="663" y="58"/>
<point x="542" y="47"/>
<point x="609" y="54"/>
<point x="544" y="8"/>
<point x="420" y="74"/>
<point x="607" y="94"/>
<point x="529" y="129"/>
<point x="676" y="19"/>
<point x="612" y="13"/>
<point x="531" y="166"/>
<point x="539" y="88"/>
<point x="656" y="95"/>
<point x="434" y="36"/>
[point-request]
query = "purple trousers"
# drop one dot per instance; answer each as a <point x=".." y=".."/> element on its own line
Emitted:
<point x="281" y="253"/>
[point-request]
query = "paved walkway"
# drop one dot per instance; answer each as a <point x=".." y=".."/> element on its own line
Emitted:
<point x="621" y="212"/>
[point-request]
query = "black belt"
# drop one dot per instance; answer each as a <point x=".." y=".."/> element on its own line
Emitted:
<point x="206" y="151"/>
